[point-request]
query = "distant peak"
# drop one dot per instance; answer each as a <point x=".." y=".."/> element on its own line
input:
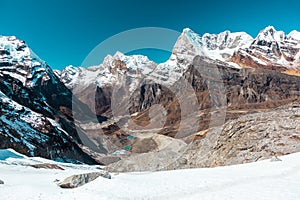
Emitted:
<point x="269" y="29"/>
<point x="70" y="67"/>
<point x="226" y="32"/>
<point x="118" y="54"/>
<point x="187" y="30"/>
<point x="294" y="34"/>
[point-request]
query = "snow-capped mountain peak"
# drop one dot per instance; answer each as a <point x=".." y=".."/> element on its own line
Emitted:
<point x="107" y="73"/>
<point x="127" y="62"/>
<point x="294" y="35"/>
<point x="271" y="49"/>
<point x="20" y="62"/>
<point x="270" y="34"/>
<point x="216" y="46"/>
<point x="270" y="46"/>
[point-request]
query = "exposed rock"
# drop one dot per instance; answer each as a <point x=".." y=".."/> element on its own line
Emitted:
<point x="1" y="182"/>
<point x="46" y="166"/>
<point x="82" y="179"/>
<point x="249" y="138"/>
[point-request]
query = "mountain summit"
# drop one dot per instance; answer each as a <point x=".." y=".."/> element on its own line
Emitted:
<point x="271" y="49"/>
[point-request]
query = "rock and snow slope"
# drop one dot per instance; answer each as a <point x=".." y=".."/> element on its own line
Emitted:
<point x="260" y="180"/>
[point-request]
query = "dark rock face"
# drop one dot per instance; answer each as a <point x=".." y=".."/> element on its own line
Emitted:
<point x="249" y="88"/>
<point x="1" y="182"/>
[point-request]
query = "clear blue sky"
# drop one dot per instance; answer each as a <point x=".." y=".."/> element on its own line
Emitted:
<point x="63" y="32"/>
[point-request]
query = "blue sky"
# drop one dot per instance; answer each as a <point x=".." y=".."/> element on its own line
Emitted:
<point x="63" y="32"/>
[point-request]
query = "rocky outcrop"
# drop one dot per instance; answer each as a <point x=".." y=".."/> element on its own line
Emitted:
<point x="246" y="90"/>
<point x="1" y="182"/>
<point x="82" y="179"/>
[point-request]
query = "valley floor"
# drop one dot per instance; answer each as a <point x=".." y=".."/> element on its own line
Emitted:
<point x="260" y="180"/>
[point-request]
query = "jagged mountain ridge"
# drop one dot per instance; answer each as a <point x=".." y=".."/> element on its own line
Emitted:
<point x="270" y="49"/>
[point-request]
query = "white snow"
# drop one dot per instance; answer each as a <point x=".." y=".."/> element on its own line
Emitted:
<point x="260" y="180"/>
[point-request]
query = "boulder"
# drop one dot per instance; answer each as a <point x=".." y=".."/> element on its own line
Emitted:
<point x="75" y="181"/>
<point x="1" y="182"/>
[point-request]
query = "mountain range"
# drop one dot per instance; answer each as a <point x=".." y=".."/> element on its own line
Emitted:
<point x="109" y="114"/>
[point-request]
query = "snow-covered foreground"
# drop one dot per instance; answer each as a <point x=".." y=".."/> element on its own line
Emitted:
<point x="260" y="180"/>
